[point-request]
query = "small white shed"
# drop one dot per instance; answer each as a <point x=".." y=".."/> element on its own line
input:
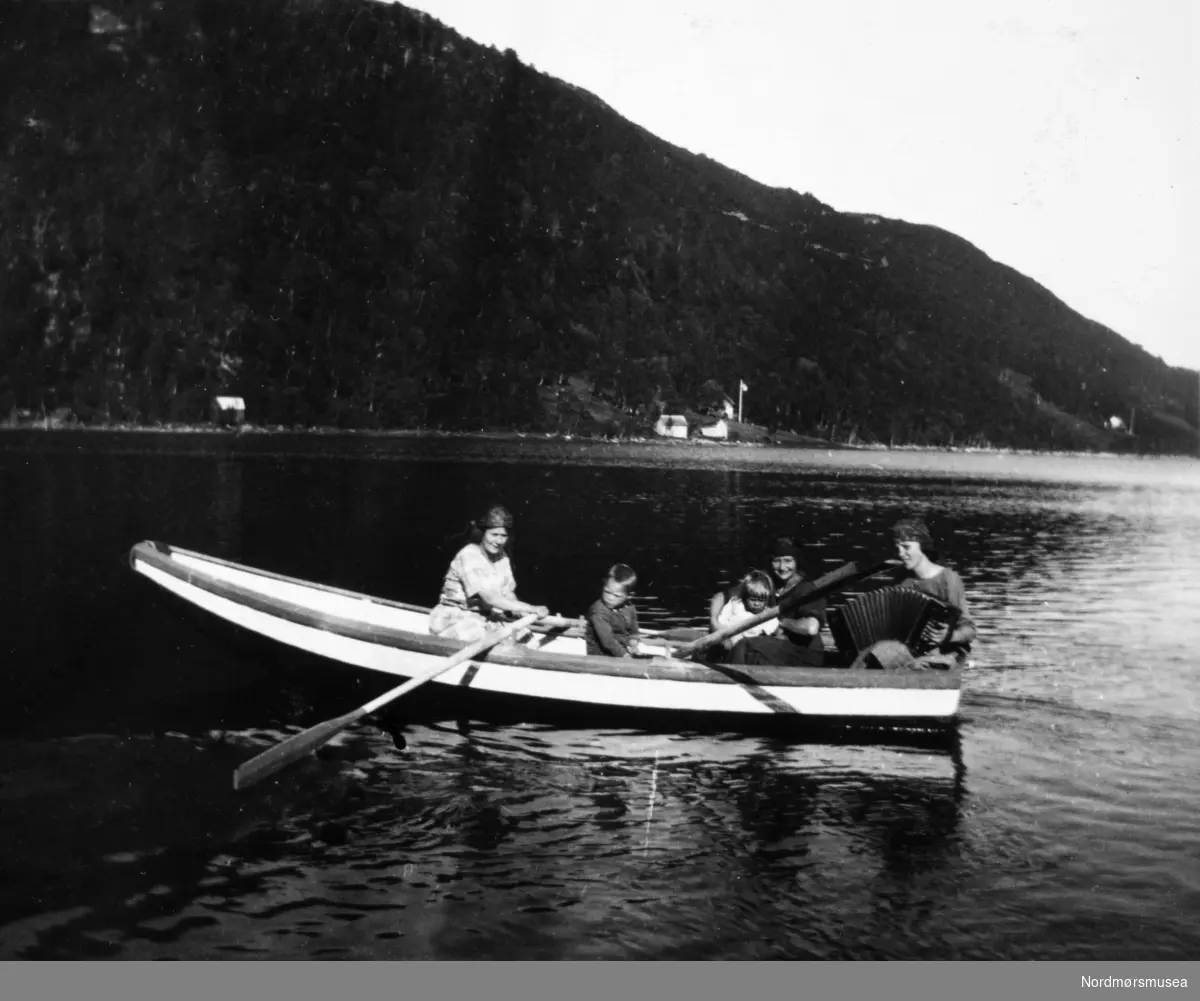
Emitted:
<point x="228" y="410"/>
<point x="672" y="426"/>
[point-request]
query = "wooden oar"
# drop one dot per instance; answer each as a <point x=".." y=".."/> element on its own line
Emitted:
<point x="676" y="634"/>
<point x="554" y="622"/>
<point x="832" y="581"/>
<point x="297" y="746"/>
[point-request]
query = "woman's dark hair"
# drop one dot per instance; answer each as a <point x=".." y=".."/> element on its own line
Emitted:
<point x="914" y="529"/>
<point x="497" y="516"/>
<point x="785" y="546"/>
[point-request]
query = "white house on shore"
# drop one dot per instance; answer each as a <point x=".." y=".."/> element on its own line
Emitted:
<point x="672" y="426"/>
<point x="228" y="410"/>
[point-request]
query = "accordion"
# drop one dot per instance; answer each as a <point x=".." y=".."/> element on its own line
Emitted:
<point x="891" y="613"/>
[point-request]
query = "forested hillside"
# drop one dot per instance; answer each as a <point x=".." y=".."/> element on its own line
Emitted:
<point x="350" y="216"/>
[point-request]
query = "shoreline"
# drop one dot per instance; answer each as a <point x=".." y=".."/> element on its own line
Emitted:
<point x="787" y="441"/>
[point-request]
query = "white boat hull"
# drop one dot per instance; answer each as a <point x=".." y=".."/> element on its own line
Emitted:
<point x="393" y="638"/>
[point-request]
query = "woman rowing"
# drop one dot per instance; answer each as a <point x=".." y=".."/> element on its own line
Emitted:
<point x="479" y="587"/>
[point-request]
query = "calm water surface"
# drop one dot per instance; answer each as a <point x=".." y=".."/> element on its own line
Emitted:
<point x="1061" y="823"/>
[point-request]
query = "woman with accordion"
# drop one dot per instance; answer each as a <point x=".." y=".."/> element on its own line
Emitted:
<point x="921" y="623"/>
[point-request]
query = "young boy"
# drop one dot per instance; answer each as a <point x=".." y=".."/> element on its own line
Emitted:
<point x="612" y="625"/>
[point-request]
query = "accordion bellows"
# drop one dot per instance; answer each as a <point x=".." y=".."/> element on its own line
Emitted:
<point x="891" y="613"/>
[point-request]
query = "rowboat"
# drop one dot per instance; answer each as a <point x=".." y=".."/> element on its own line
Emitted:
<point x="551" y="669"/>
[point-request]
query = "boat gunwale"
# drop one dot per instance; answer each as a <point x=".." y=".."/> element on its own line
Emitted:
<point x="159" y="555"/>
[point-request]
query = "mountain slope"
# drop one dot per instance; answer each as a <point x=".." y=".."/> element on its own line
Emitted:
<point x="350" y="215"/>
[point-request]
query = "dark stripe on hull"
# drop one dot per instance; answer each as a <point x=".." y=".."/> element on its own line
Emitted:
<point x="772" y="702"/>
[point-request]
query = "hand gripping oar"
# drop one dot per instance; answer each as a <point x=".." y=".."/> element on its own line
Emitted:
<point x="297" y="746"/>
<point x="832" y="581"/>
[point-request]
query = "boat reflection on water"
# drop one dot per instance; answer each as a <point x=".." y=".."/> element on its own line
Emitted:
<point x="769" y="777"/>
<point x="771" y="787"/>
<point x="656" y="841"/>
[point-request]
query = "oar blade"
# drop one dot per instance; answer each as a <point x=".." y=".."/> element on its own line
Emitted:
<point x="275" y="759"/>
<point x="300" y="744"/>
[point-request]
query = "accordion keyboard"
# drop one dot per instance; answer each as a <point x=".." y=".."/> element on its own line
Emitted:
<point x="890" y="613"/>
